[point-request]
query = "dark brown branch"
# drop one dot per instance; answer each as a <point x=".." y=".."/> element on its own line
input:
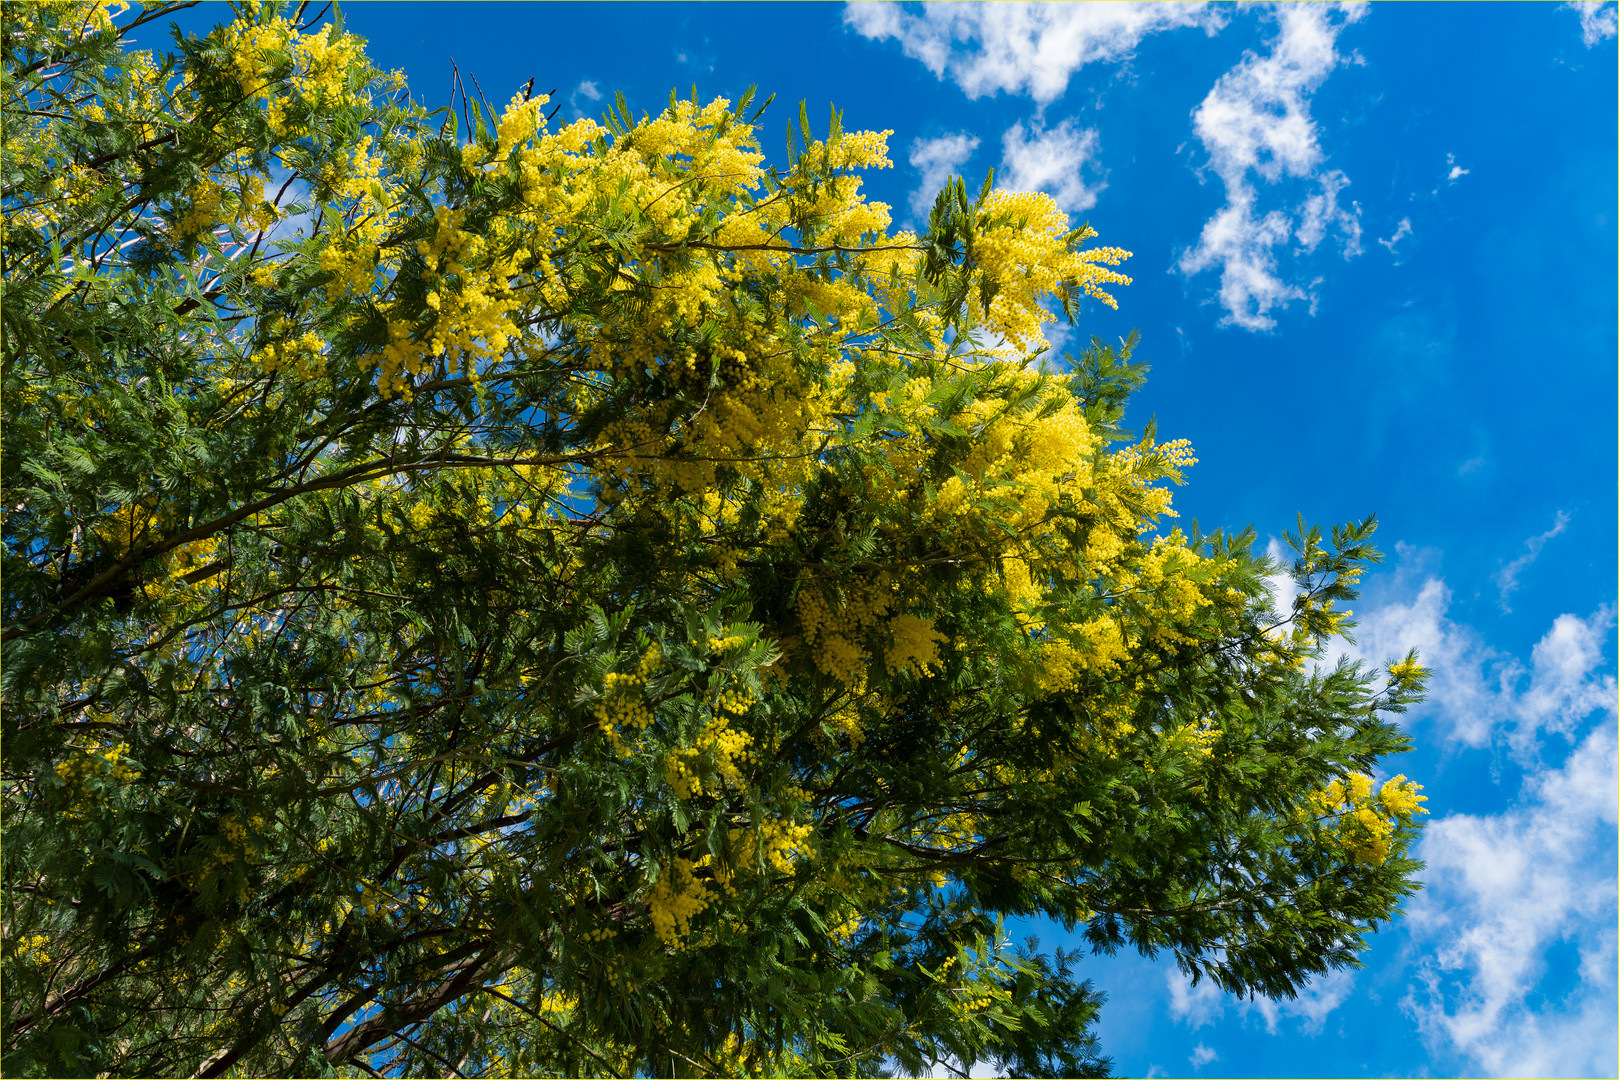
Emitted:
<point x="370" y="1032"/>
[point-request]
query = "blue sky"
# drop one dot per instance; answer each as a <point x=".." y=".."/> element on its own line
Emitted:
<point x="1374" y="272"/>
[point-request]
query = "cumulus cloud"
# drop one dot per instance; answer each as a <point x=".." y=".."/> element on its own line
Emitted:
<point x="1239" y="242"/>
<point x="1456" y="171"/>
<point x="1256" y="122"/>
<point x="1018" y="47"/>
<point x="1506" y="579"/>
<point x="583" y="95"/>
<point x="938" y="160"/>
<point x="1479" y="694"/>
<point x="1502" y="890"/>
<point x="1512" y="948"/>
<point x="1598" y="20"/>
<point x="1051" y="161"/>
<point x="1202" y="1055"/>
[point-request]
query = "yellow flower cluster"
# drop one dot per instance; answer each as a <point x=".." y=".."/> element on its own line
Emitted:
<point x="351" y="266"/>
<point x="677" y="897"/>
<point x="1196" y="739"/>
<point x="1365" y="824"/>
<point x="1025" y="252"/>
<point x="374" y="902"/>
<point x="776" y="841"/>
<point x="203" y="211"/>
<point x="1399" y="797"/>
<point x="253" y="207"/>
<point x="64" y="22"/>
<point x="977" y="998"/>
<point x="1405" y="670"/>
<point x="473" y="300"/>
<point x="1062" y="662"/>
<point x="728" y="749"/>
<point x="105" y="763"/>
<point x="83" y="764"/>
<point x="623" y="704"/>
<point x="230" y="854"/>
<point x="303" y="357"/>
<point x="321" y="64"/>
<point x="916" y="644"/>
<point x="833" y="636"/>
<point x="31" y="949"/>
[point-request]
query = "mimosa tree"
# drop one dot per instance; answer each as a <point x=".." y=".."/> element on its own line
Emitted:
<point x="591" y="601"/>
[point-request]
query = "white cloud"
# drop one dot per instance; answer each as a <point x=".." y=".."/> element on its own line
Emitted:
<point x="1401" y="231"/>
<point x="1202" y="1055"/>
<point x="1283" y="589"/>
<point x="1504" y="889"/>
<point x="1563" y="686"/>
<point x="1477" y="694"/>
<point x="586" y="92"/>
<point x="1204" y="1004"/>
<point x="1321" y="212"/>
<point x="285" y="191"/>
<point x="1598" y="20"/>
<point x="1315" y="1002"/>
<point x="1019" y="47"/>
<point x="1456" y="171"/>
<point x="1240" y="243"/>
<point x="1197" y="1005"/>
<point x="1050" y="161"/>
<point x="1256" y="120"/>
<point x="1507" y="577"/>
<point x="938" y="160"/>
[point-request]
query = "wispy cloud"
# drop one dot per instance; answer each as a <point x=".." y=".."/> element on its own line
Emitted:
<point x="1401" y="231"/>
<point x="586" y="91"/>
<point x="1018" y="47"/>
<point x="1314" y="1004"/>
<point x="1202" y="1055"/>
<point x="1204" y="1004"/>
<point x="1506" y="579"/>
<point x="1052" y="161"/>
<point x="1321" y="212"/>
<point x="1256" y="122"/>
<point x="1599" y="20"/>
<point x="1194" y="1006"/>
<point x="1453" y="173"/>
<point x="937" y="160"/>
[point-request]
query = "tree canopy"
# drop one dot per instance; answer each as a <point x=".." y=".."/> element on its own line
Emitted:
<point x="485" y="596"/>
